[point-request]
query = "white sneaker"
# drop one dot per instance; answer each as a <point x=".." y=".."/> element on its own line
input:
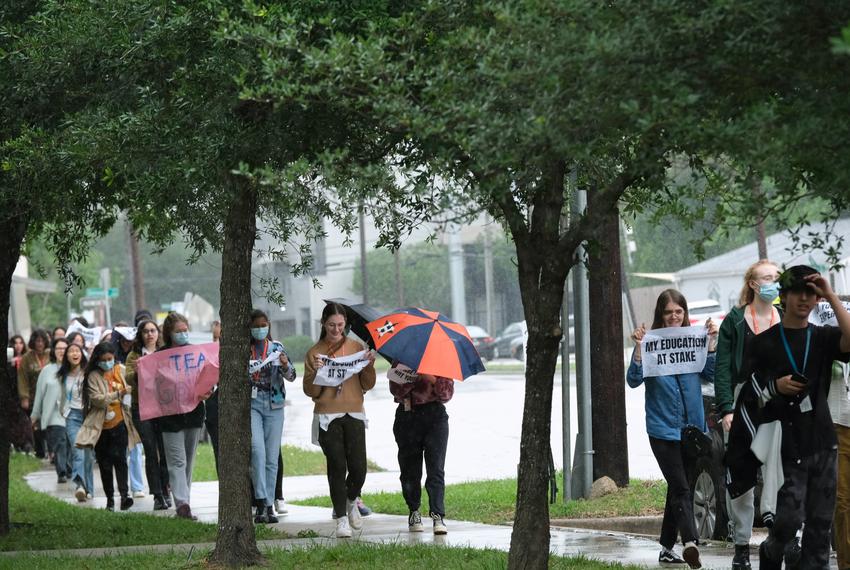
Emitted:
<point x="439" y="524"/>
<point x="414" y="522"/>
<point x="280" y="507"/>
<point x="354" y="518"/>
<point x="343" y="530"/>
<point x="139" y="495"/>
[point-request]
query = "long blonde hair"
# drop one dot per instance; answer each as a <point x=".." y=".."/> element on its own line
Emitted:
<point x="747" y="294"/>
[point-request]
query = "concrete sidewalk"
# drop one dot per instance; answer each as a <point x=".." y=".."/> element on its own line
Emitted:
<point x="602" y="545"/>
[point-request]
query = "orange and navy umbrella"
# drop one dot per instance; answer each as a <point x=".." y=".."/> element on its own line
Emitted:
<point x="427" y="342"/>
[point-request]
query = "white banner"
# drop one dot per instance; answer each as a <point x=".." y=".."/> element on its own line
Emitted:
<point x="674" y="350"/>
<point x="824" y="316"/>
<point x="335" y="371"/>
<point x="401" y="374"/>
<point x="257" y="365"/>
<point x="91" y="336"/>
<point x="129" y="333"/>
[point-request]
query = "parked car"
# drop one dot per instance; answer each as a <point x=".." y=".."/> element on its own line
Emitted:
<point x="504" y="345"/>
<point x="708" y="479"/>
<point x="701" y="311"/>
<point x="482" y="342"/>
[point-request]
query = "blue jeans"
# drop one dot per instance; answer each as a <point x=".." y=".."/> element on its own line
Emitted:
<point x="266" y="433"/>
<point x="82" y="470"/>
<point x="136" y="481"/>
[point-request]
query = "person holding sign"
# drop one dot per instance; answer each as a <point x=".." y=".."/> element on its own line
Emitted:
<point x="108" y="426"/>
<point x="674" y="405"/>
<point x="337" y="372"/>
<point x="754" y="314"/>
<point x="147" y="342"/>
<point x="791" y="373"/>
<point x="421" y="430"/>
<point x="180" y="432"/>
<point x="268" y="368"/>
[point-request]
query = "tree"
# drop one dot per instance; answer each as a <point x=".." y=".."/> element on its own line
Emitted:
<point x="504" y="100"/>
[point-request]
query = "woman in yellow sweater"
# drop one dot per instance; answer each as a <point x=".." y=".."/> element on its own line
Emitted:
<point x="339" y="419"/>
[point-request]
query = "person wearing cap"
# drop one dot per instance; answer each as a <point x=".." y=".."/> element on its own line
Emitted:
<point x="791" y="368"/>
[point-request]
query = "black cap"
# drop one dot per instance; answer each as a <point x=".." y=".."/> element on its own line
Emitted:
<point x="792" y="279"/>
<point x="141" y="315"/>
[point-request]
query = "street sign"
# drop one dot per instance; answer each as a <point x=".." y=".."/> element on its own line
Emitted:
<point x="91" y="302"/>
<point x="113" y="292"/>
<point x="94" y="292"/>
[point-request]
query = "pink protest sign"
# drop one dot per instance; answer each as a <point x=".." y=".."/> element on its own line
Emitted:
<point x="172" y="381"/>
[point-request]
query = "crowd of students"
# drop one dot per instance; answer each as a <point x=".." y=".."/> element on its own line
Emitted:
<point x="79" y="406"/>
<point x="783" y="396"/>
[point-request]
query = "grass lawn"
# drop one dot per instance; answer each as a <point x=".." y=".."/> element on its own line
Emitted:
<point x="494" y="501"/>
<point x="42" y="522"/>
<point x="296" y="461"/>
<point x="353" y="556"/>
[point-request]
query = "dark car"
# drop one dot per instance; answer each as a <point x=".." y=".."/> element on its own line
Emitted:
<point x="482" y="342"/>
<point x="505" y="345"/>
<point x="708" y="479"/>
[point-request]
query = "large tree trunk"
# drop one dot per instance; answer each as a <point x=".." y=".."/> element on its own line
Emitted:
<point x="607" y="387"/>
<point x="11" y="238"/>
<point x="542" y="272"/>
<point x="236" y="543"/>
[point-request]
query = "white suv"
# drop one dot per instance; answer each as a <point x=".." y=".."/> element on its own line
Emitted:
<point x="701" y="311"/>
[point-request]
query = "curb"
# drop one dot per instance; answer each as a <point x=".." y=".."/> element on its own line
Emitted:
<point x="640" y="525"/>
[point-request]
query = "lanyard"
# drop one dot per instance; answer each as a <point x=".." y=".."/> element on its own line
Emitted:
<point x="788" y="349"/>
<point x="262" y="358"/>
<point x="755" y="320"/>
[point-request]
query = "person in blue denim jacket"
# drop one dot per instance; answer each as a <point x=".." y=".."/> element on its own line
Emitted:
<point x="672" y="403"/>
<point x="267" y="373"/>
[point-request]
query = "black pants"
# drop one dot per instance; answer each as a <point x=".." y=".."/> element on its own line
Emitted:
<point x="278" y="486"/>
<point x="57" y="441"/>
<point x="421" y="433"/>
<point x="156" y="469"/>
<point x="344" y="446"/>
<point x="211" y="423"/>
<point x="111" y="453"/>
<point x="679" y="507"/>
<point x="807" y="495"/>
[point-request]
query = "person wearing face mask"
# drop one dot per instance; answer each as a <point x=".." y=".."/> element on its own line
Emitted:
<point x="28" y="370"/>
<point x="108" y="426"/>
<point x="180" y="432"/>
<point x="147" y="341"/>
<point x="673" y="403"/>
<point x="339" y="418"/>
<point x="46" y="413"/>
<point x="70" y="375"/>
<point x="267" y="409"/>
<point x="754" y="314"/>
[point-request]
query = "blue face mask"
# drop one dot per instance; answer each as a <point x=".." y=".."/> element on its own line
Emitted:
<point x="259" y="333"/>
<point x="106" y="365"/>
<point x="769" y="291"/>
<point x="180" y="338"/>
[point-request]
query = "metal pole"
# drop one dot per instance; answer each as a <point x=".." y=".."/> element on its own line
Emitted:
<point x="489" y="293"/>
<point x="456" y="276"/>
<point x="566" y="431"/>
<point x="581" y="311"/>
<point x="363" y="272"/>
<point x="104" y="283"/>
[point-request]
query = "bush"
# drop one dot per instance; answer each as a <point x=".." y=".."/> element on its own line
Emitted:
<point x="297" y="346"/>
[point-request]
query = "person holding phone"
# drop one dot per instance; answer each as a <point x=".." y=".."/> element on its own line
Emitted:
<point x="791" y="367"/>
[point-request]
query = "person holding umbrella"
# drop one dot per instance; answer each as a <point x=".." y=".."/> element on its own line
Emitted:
<point x="421" y="430"/>
<point x="339" y="419"/>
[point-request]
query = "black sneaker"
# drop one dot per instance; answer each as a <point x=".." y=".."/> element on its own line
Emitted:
<point x="260" y="516"/>
<point x="110" y="504"/>
<point x="691" y="555"/>
<point x="159" y="503"/>
<point x="271" y="516"/>
<point x="126" y="503"/>
<point x="765" y="561"/>
<point x="741" y="560"/>
<point x="670" y="558"/>
<point x="61" y="479"/>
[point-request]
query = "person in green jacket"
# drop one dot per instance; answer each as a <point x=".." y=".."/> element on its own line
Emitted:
<point x="754" y="314"/>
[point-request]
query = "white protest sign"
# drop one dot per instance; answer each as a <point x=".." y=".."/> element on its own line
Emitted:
<point x="401" y="374"/>
<point x="257" y="365"/>
<point x="824" y="316"/>
<point x="129" y="333"/>
<point x="335" y="371"/>
<point x="91" y="336"/>
<point x="674" y="350"/>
